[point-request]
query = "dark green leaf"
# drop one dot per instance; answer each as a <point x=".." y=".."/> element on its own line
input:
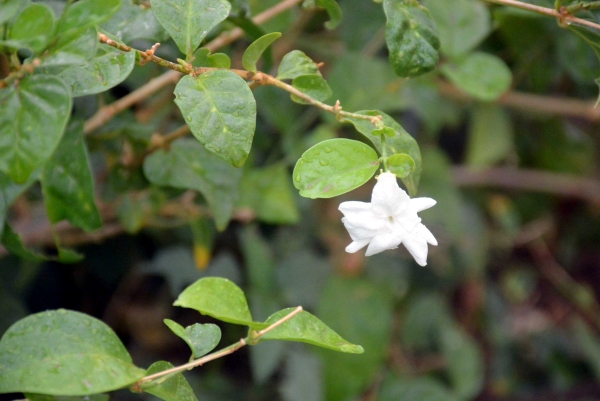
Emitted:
<point x="9" y="8"/>
<point x="401" y="164"/>
<point x="33" y="115"/>
<point x="402" y="142"/>
<point x="42" y="397"/>
<point x="268" y="191"/>
<point x="201" y="338"/>
<point x="68" y="184"/>
<point x="334" y="167"/>
<point x="490" y="136"/>
<point x="32" y="28"/>
<point x="14" y="244"/>
<point x="481" y="75"/>
<point x="84" y="14"/>
<point x="411" y="37"/>
<point x="332" y="8"/>
<point x="466" y="366"/>
<point x="64" y="353"/>
<point x="135" y="21"/>
<point x="314" y="85"/>
<point x="256" y="49"/>
<point x="221" y="112"/>
<point x="175" y="388"/>
<point x="415" y="389"/>
<point x="189" y="21"/>
<point x="295" y="64"/>
<point x="188" y="165"/>
<point x="219" y="298"/>
<point x="71" y="49"/>
<point x="307" y="328"/>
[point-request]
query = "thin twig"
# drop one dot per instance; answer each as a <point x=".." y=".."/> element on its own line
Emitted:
<point x="279" y="322"/>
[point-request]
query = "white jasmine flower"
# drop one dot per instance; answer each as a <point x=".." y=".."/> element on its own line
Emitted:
<point x="388" y="221"/>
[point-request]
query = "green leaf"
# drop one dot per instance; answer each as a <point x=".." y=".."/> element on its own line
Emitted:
<point x="481" y="75"/>
<point x="295" y="64"/>
<point x="256" y="49"/>
<point x="32" y="28"/>
<point x="219" y="60"/>
<point x="9" y="8"/>
<point x="269" y="193"/>
<point x="466" y="366"/>
<point x="307" y="328"/>
<point x="43" y="397"/>
<point x="175" y="388"/>
<point x="108" y="68"/>
<point x="332" y="8"/>
<point x="221" y="112"/>
<point x="68" y="184"/>
<point x="202" y="338"/>
<point x="188" y="165"/>
<point x="14" y="244"/>
<point x="334" y="167"/>
<point x="411" y="37"/>
<point x="462" y="24"/>
<point x="490" y="136"/>
<point x="71" y="49"/>
<point x="84" y="14"/>
<point x="401" y="164"/>
<point x="33" y="115"/>
<point x="219" y="298"/>
<point x="64" y="353"/>
<point x="189" y="21"/>
<point x="135" y="21"/>
<point x="402" y="142"/>
<point x="314" y="85"/>
<point x="415" y="389"/>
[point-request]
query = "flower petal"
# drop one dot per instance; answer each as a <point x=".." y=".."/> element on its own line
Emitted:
<point x="357" y="245"/>
<point x="418" y="204"/>
<point x="417" y="247"/>
<point x="388" y="198"/>
<point x="354" y="207"/>
<point x="424" y="233"/>
<point x="384" y="241"/>
<point x="362" y="229"/>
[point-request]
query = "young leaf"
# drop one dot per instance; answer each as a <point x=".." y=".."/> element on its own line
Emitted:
<point x="64" y="353"/>
<point x="67" y="182"/>
<point x="202" y="338"/>
<point x="332" y="8"/>
<point x="296" y="63"/>
<point x="314" y="85"/>
<point x="256" y="49"/>
<point x="9" y="8"/>
<point x="411" y="37"/>
<point x="189" y="21"/>
<point x="108" y="68"/>
<point x="402" y="142"/>
<point x="72" y="49"/>
<point x="307" y="328"/>
<point x="33" y="115"/>
<point x="188" y="165"/>
<point x="32" y="28"/>
<point x="175" y="388"/>
<point x="334" y="167"/>
<point x="219" y="60"/>
<point x="84" y="14"/>
<point x="401" y="164"/>
<point x="481" y="75"/>
<point x="221" y="112"/>
<point x="219" y="298"/>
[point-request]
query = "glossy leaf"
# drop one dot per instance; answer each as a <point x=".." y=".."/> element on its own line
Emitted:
<point x="314" y="85"/>
<point x="33" y="115"/>
<point x="175" y="388"/>
<point x="32" y="28"/>
<point x="64" y="353"/>
<point x="189" y="21"/>
<point x="43" y="397"/>
<point x="134" y="21"/>
<point x="332" y="8"/>
<point x="84" y="14"/>
<point x="295" y="64"/>
<point x="201" y="338"/>
<point x="68" y="184"/>
<point x="256" y="49"/>
<point x="307" y="328"/>
<point x="108" y="68"/>
<point x="411" y="37"/>
<point x="221" y="112"/>
<point x="268" y="191"/>
<point x="219" y="298"/>
<point x="481" y="75"/>
<point x="334" y="167"/>
<point x="10" y="8"/>
<point x="402" y="142"/>
<point x="490" y="136"/>
<point x="401" y="164"/>
<point x="188" y="165"/>
<point x="71" y="49"/>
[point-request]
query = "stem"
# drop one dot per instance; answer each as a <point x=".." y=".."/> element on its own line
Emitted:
<point x="215" y="355"/>
<point x="384" y="157"/>
<point x="562" y="16"/>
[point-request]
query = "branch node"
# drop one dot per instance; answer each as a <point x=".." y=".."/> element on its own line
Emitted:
<point x="148" y="54"/>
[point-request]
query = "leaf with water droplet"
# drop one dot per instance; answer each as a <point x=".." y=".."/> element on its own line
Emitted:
<point x="334" y="167"/>
<point x="76" y="360"/>
<point x="201" y="338"/>
<point x="307" y="328"/>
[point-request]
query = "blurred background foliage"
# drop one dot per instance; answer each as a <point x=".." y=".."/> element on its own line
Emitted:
<point x="508" y="306"/>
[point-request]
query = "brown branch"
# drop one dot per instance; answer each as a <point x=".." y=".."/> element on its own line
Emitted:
<point x="560" y="184"/>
